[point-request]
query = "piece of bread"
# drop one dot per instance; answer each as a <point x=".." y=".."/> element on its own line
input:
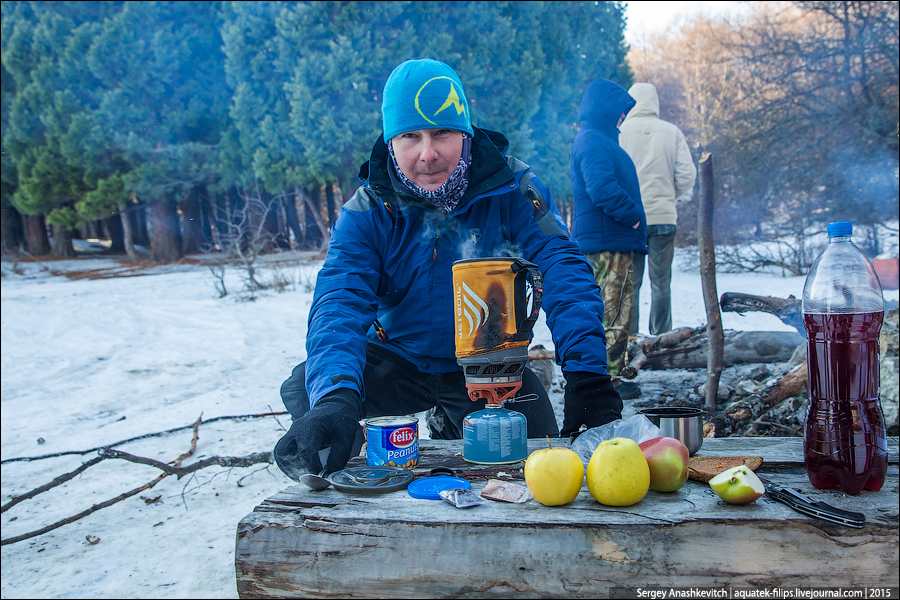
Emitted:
<point x="704" y="468"/>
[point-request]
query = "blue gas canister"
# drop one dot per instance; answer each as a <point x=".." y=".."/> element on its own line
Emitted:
<point x="495" y="436"/>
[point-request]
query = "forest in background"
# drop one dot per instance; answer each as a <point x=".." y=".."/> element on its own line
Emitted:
<point x="798" y="104"/>
<point x="187" y="127"/>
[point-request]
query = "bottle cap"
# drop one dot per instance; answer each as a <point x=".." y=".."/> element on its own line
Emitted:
<point x="840" y="229"/>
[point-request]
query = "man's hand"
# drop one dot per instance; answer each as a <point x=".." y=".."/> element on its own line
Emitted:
<point x="334" y="421"/>
<point x="591" y="400"/>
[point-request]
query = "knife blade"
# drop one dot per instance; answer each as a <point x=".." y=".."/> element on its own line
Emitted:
<point x="813" y="508"/>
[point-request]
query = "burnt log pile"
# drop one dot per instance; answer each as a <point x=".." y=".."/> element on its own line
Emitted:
<point x="685" y="348"/>
<point x="763" y="388"/>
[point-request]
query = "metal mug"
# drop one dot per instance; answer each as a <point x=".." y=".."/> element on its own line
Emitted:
<point x="684" y="424"/>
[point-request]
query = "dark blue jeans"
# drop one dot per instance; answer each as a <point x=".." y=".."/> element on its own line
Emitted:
<point x="394" y="386"/>
<point x="661" y="244"/>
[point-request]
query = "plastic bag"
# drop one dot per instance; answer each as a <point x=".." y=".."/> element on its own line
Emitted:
<point x="461" y="498"/>
<point x="638" y="428"/>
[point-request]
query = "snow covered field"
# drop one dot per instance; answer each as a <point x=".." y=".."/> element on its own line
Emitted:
<point x="90" y="362"/>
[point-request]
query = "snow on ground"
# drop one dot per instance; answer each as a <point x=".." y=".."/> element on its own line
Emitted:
<point x="90" y="362"/>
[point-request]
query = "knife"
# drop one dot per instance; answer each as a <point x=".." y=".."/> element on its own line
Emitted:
<point x="820" y="510"/>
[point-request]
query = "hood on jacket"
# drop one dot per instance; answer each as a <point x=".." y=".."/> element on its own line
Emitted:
<point x="646" y="100"/>
<point x="603" y="103"/>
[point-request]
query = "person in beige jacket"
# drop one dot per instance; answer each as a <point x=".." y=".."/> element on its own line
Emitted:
<point x="666" y="172"/>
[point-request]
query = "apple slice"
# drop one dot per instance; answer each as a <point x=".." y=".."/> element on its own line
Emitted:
<point x="737" y="485"/>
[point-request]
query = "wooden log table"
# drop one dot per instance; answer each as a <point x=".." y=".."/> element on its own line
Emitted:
<point x="301" y="543"/>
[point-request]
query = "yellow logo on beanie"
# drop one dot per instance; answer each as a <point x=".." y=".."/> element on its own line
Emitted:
<point x="452" y="99"/>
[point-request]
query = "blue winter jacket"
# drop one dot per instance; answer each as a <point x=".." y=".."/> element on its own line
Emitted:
<point x="387" y="277"/>
<point x="605" y="186"/>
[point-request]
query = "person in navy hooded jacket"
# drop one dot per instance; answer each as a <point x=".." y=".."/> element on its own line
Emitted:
<point x="608" y="222"/>
<point x="380" y="342"/>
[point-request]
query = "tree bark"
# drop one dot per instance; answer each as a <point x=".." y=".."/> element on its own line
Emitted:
<point x="330" y="204"/>
<point x="316" y="231"/>
<point x="13" y="230"/>
<point x="292" y="219"/>
<point x="61" y="245"/>
<point x="193" y="239"/>
<point x="116" y="233"/>
<point x="127" y="232"/>
<point x="166" y="244"/>
<point x="706" y="243"/>
<point x="272" y="223"/>
<point x="36" y="241"/>
<point x="139" y="224"/>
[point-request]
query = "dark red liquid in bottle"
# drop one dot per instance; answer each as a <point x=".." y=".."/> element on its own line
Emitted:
<point x="845" y="443"/>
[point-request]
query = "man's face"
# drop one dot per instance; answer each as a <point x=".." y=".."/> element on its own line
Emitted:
<point x="428" y="156"/>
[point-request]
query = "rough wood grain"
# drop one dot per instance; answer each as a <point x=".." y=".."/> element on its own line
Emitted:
<point x="300" y="543"/>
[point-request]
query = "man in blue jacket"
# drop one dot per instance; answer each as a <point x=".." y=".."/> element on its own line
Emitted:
<point x="609" y="222"/>
<point x="380" y="342"/>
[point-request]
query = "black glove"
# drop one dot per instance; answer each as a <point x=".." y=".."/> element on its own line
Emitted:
<point x="333" y="421"/>
<point x="591" y="399"/>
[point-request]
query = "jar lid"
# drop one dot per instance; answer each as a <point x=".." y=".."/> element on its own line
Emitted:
<point x="430" y="488"/>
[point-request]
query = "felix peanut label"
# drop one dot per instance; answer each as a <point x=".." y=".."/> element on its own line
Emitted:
<point x="494" y="307"/>
<point x="392" y="441"/>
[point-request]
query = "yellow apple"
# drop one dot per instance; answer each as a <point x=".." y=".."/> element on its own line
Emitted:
<point x="554" y="475"/>
<point x="618" y="473"/>
<point x="737" y="485"/>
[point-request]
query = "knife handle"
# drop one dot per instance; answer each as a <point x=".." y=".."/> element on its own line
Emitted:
<point x="839" y="512"/>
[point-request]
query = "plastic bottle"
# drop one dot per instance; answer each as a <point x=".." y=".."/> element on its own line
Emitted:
<point x="845" y="442"/>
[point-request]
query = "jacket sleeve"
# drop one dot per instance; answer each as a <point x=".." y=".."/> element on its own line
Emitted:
<point x="685" y="170"/>
<point x="603" y="187"/>
<point x="572" y="300"/>
<point x="343" y="308"/>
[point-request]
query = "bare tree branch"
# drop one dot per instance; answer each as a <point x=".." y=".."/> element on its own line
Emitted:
<point x="49" y="486"/>
<point x="174" y="468"/>
<point x="179" y="472"/>
<point x="140" y="437"/>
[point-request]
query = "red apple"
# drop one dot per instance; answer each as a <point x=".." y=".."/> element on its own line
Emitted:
<point x="668" y="460"/>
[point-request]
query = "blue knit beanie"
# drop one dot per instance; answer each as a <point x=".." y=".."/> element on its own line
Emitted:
<point x="424" y="94"/>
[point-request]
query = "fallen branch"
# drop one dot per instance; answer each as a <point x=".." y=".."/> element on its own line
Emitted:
<point x="83" y="514"/>
<point x="641" y="348"/>
<point x="788" y="310"/>
<point x="631" y="369"/>
<point x="49" y="486"/>
<point x="179" y="472"/>
<point x="140" y="437"/>
<point x="110" y="502"/>
<point x="174" y="469"/>
<point x="692" y="353"/>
